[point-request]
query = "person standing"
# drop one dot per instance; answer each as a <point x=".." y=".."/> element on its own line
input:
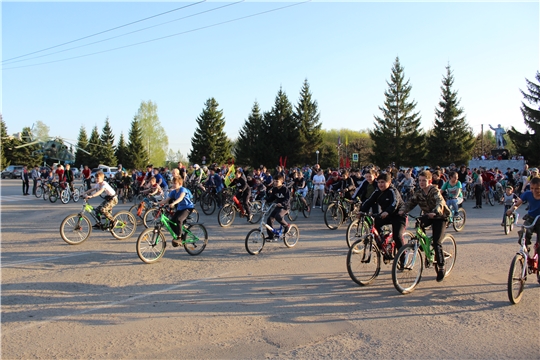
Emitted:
<point x="25" y="181"/>
<point x="35" y="175"/>
<point x="478" y="189"/>
<point x="318" y="188"/>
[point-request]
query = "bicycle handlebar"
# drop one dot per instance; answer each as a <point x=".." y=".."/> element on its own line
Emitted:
<point x="533" y="223"/>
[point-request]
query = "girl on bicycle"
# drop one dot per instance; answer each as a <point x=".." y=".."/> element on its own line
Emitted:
<point x="179" y="198"/>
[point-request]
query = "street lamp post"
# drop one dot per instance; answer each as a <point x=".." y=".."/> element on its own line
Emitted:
<point x="317" y="152"/>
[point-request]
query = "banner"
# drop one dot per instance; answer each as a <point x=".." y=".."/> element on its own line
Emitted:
<point x="230" y="175"/>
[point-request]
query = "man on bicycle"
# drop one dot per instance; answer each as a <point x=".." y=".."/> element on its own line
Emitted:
<point x="243" y="191"/>
<point x="431" y="202"/>
<point x="532" y="197"/>
<point x="281" y="196"/>
<point x="108" y="204"/>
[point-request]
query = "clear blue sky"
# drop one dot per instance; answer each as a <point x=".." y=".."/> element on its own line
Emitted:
<point x="345" y="50"/>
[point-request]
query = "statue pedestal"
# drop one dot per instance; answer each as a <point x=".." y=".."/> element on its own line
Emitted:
<point x="503" y="153"/>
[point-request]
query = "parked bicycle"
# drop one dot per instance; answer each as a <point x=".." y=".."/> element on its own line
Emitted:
<point x="151" y="244"/>
<point x="255" y="239"/>
<point x="76" y="228"/>
<point x="409" y="262"/>
<point x="364" y="255"/>
<point x="524" y="263"/>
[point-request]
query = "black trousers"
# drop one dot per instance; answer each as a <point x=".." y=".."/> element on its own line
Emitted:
<point x="279" y="214"/>
<point x="398" y="227"/>
<point x="478" y="190"/>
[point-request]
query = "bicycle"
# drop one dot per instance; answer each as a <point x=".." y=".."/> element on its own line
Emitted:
<point x="328" y="198"/>
<point x="508" y="222"/>
<point x="232" y="206"/>
<point x="68" y="194"/>
<point x="339" y="210"/>
<point x="76" y="228"/>
<point x="52" y="192"/>
<point x="152" y="216"/>
<point x="151" y="243"/>
<point x="409" y="262"/>
<point x="458" y="221"/>
<point x="210" y="200"/>
<point x="40" y="188"/>
<point x="255" y="239"/>
<point x="490" y="194"/>
<point x="364" y="255"/>
<point x="517" y="275"/>
<point x="296" y="205"/>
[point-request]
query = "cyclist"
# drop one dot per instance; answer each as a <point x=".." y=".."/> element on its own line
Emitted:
<point x="160" y="180"/>
<point x="454" y="192"/>
<point x="532" y="197"/>
<point x="215" y="183"/>
<point x="181" y="199"/>
<point x="299" y="185"/>
<point x="368" y="186"/>
<point x="281" y="196"/>
<point x="243" y="191"/>
<point x="431" y="202"/>
<point x="108" y="204"/>
<point x="259" y="189"/>
<point x="509" y="199"/>
<point x="154" y="190"/>
<point x="118" y="179"/>
<point x="127" y="181"/>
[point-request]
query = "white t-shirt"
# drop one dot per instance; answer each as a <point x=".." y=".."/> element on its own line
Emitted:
<point x="108" y="189"/>
<point x="318" y="182"/>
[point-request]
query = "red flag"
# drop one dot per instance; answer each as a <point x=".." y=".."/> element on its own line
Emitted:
<point x="285" y="162"/>
<point x="348" y="165"/>
<point x="340" y="162"/>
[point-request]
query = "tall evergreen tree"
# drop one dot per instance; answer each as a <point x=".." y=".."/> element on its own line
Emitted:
<point x="250" y="146"/>
<point x="528" y="144"/>
<point x="4" y="145"/>
<point x="107" y="142"/>
<point x="121" y="152"/>
<point x="155" y="138"/>
<point x="210" y="139"/>
<point x="94" y="147"/>
<point x="280" y="131"/>
<point x="308" y="117"/>
<point x="81" y="155"/>
<point x="27" y="155"/>
<point x="137" y="157"/>
<point x="452" y="139"/>
<point x="397" y="136"/>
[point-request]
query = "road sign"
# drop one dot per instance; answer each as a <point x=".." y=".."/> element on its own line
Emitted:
<point x="355" y="157"/>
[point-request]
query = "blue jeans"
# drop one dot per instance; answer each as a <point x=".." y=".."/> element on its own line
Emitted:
<point x="453" y="205"/>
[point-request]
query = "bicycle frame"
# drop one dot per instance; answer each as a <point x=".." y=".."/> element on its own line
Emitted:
<point x="165" y="221"/>
<point x="424" y="242"/>
<point x="530" y="262"/>
<point x="264" y="219"/>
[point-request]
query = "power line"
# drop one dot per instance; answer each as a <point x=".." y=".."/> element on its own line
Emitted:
<point x="102" y="32"/>
<point x="164" y="37"/>
<point x="128" y="33"/>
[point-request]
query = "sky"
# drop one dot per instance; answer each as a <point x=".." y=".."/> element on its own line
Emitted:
<point x="239" y="53"/>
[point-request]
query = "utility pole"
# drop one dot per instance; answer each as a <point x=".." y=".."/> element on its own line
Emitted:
<point x="482" y="138"/>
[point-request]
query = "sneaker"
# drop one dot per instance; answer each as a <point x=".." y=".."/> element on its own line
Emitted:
<point x="440" y="273"/>
<point x="250" y="217"/>
<point x="96" y="226"/>
<point x="286" y="229"/>
<point x="176" y="243"/>
<point x="269" y="238"/>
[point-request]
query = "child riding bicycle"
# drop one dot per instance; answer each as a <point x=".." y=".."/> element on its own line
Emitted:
<point x="532" y="197"/>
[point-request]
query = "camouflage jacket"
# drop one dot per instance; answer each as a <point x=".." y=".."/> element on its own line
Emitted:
<point x="432" y="202"/>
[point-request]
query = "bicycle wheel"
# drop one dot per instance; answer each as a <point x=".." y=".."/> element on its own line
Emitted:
<point x="138" y="212"/>
<point x="39" y="192"/>
<point x="364" y="261"/>
<point x="151" y="245"/>
<point x="46" y="194"/>
<point x="76" y="195"/>
<point x="64" y="196"/>
<point x="226" y="215"/>
<point x="254" y="242"/>
<point x="208" y="204"/>
<point x="333" y="216"/>
<point x="491" y="198"/>
<point x="293" y="212"/>
<point x="459" y="221"/>
<point x="126" y="226"/>
<point x="291" y="238"/>
<point x="53" y="195"/>
<point x="307" y="210"/>
<point x="516" y="281"/>
<point x="193" y="217"/>
<point x="356" y="231"/>
<point x="449" y="249"/>
<point x="508" y="224"/>
<point x="407" y="269"/>
<point x="75" y="229"/>
<point x="196" y="239"/>
<point x="151" y="217"/>
<point x="325" y="202"/>
<point x="256" y="210"/>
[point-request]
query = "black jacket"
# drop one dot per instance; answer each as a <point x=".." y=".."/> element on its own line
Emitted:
<point x="389" y="200"/>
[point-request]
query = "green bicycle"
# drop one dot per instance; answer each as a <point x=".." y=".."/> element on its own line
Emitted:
<point x="151" y="244"/>
<point x="409" y="263"/>
<point x="76" y="228"/>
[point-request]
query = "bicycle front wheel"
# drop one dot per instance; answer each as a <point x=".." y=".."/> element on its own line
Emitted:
<point x="226" y="215"/>
<point x="151" y="245"/>
<point x="449" y="249"/>
<point x="407" y="269"/>
<point x="363" y="261"/>
<point x="196" y="239"/>
<point x="516" y="280"/>
<point x="292" y="236"/>
<point x="254" y="242"/>
<point x="76" y="195"/>
<point x="53" y="195"/>
<point x="295" y="207"/>
<point x="138" y="212"/>
<point x="508" y="224"/>
<point x="46" y="194"/>
<point x="459" y="221"/>
<point x="208" y="204"/>
<point x="125" y="227"/>
<point x="64" y="196"/>
<point x="151" y="217"/>
<point x="307" y="209"/>
<point x="356" y="231"/>
<point x="333" y="216"/>
<point x="75" y="229"/>
<point x="491" y="198"/>
<point x="256" y="210"/>
<point x="39" y="192"/>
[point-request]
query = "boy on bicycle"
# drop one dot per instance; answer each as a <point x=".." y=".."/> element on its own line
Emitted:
<point x="108" y="204"/>
<point x="179" y="198"/>
<point x="431" y="202"/>
<point x="281" y="196"/>
<point x="509" y="199"/>
<point x="532" y="197"/>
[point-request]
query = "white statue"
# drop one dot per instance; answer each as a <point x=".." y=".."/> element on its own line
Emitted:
<point x="499" y="132"/>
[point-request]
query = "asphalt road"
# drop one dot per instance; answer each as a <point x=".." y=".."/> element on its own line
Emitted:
<point x="98" y="300"/>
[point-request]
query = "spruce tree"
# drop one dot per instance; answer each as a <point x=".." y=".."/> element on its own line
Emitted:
<point x="528" y="144"/>
<point x="94" y="147"/>
<point x="137" y="157"/>
<point x="452" y="139"/>
<point x="107" y="142"/>
<point x="249" y="145"/>
<point x="4" y="145"/>
<point x="121" y="152"/>
<point x="308" y="118"/>
<point x="210" y="139"/>
<point x="81" y="155"/>
<point x="397" y="136"/>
